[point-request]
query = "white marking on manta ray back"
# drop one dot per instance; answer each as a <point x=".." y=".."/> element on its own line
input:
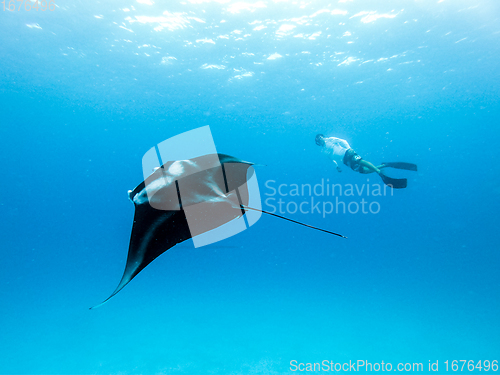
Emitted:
<point x="181" y="167"/>
<point x="176" y="168"/>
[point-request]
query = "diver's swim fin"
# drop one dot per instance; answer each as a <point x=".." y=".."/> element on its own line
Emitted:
<point x="395" y="183"/>
<point x="401" y="165"/>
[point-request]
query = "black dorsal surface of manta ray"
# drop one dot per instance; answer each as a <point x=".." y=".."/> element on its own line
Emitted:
<point x="216" y="185"/>
<point x="161" y="201"/>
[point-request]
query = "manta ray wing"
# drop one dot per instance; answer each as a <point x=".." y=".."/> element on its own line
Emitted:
<point x="217" y="186"/>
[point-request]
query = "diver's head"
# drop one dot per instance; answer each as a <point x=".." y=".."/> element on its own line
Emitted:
<point x="320" y="140"/>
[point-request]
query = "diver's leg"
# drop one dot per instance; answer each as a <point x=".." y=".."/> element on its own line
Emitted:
<point x="367" y="167"/>
<point x="364" y="170"/>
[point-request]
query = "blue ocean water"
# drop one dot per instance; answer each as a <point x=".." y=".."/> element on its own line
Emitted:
<point x="87" y="88"/>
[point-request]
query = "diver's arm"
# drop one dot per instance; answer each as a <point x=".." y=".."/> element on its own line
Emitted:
<point x="332" y="157"/>
<point x="337" y="165"/>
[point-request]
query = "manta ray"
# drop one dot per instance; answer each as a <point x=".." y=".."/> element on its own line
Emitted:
<point x="186" y="199"/>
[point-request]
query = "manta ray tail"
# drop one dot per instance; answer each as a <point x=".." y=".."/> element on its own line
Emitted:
<point x="293" y="221"/>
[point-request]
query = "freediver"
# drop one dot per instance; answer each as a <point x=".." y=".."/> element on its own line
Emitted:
<point x="339" y="150"/>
